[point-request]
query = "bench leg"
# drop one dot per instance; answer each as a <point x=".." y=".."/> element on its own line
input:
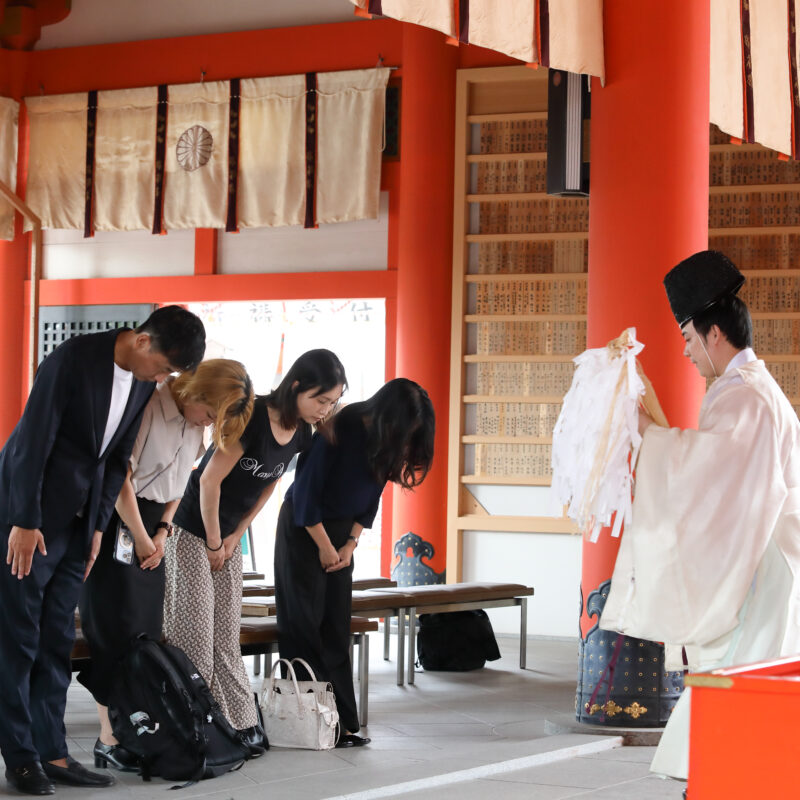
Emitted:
<point x="401" y="643"/>
<point x="363" y="678"/>
<point x="523" y="632"/>
<point x="387" y="630"/>
<point x="412" y="643"/>
<point x="257" y="664"/>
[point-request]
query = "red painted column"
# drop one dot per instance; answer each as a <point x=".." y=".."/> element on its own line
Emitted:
<point x="13" y="327"/>
<point x="424" y="261"/>
<point x="648" y="205"/>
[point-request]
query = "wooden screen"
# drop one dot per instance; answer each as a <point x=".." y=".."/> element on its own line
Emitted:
<point x="519" y="301"/>
<point x="754" y="218"/>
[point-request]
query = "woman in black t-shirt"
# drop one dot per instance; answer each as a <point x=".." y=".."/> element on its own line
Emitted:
<point x="335" y="496"/>
<point x="204" y="573"/>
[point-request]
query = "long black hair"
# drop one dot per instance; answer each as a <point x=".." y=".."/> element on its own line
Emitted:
<point x="400" y="424"/>
<point x="315" y="369"/>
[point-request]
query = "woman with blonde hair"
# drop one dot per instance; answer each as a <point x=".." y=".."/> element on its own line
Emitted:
<point x="124" y="593"/>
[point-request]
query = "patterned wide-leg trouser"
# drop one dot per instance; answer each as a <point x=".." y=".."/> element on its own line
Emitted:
<point x="202" y="613"/>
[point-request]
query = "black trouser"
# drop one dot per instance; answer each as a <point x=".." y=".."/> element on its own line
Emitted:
<point x="314" y="609"/>
<point x="117" y="603"/>
<point x="37" y="631"/>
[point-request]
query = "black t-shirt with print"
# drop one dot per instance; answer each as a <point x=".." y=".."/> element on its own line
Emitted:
<point x="262" y="463"/>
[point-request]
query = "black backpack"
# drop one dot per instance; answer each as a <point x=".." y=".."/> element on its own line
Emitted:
<point x="162" y="711"/>
<point x="456" y="640"/>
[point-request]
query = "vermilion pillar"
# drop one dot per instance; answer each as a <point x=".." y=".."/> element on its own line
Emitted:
<point x="424" y="260"/>
<point x="13" y="321"/>
<point x="648" y="205"/>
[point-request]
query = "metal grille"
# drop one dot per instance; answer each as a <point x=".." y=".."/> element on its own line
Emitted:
<point x="59" y="323"/>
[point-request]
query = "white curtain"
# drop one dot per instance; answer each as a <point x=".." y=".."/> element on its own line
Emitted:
<point x="57" y="159"/>
<point x="125" y="145"/>
<point x="272" y="153"/>
<point x="570" y="31"/>
<point x="350" y="110"/>
<point x="196" y="165"/>
<point x="271" y="164"/>
<point x="9" y="122"/>
<point x="752" y="45"/>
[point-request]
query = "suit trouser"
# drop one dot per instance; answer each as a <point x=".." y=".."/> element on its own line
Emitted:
<point x="37" y="631"/>
<point x="314" y="609"/>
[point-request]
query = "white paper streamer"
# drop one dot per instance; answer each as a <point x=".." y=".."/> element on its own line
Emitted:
<point x="596" y="438"/>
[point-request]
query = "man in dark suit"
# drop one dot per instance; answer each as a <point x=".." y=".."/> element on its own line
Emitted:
<point x="60" y="473"/>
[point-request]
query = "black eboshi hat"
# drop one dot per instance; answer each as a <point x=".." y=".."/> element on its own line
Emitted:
<point x="700" y="281"/>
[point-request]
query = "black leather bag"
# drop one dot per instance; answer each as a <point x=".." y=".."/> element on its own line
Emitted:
<point x="456" y="641"/>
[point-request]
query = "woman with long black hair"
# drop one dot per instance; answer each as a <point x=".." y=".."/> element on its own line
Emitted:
<point x="335" y="496"/>
<point x="204" y="576"/>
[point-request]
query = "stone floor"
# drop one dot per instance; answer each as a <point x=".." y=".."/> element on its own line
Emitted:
<point x="450" y="735"/>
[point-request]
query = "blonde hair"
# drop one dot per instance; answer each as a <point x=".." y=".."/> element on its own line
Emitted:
<point x="224" y="386"/>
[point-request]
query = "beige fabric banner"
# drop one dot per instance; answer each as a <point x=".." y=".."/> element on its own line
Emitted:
<point x="436" y="14"/>
<point x="272" y="152"/>
<point x="726" y="95"/>
<point x="511" y="27"/>
<point x="576" y="36"/>
<point x="350" y="109"/>
<point x="124" y="187"/>
<point x="488" y="28"/>
<point x="57" y="159"/>
<point x="9" y="126"/>
<point x="196" y="164"/>
<point x="772" y="91"/>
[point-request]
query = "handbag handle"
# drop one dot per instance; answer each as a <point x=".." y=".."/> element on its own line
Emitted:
<point x="290" y="670"/>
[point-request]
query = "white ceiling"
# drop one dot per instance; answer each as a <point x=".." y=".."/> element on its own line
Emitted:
<point x="107" y="21"/>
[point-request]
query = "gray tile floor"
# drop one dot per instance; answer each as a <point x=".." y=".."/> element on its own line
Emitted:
<point x="451" y="735"/>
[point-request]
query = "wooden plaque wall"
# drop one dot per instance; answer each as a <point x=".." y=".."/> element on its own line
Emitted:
<point x="519" y="299"/>
<point x="754" y="218"/>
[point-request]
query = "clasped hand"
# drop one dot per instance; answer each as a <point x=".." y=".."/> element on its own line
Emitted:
<point x="217" y="558"/>
<point x="151" y="551"/>
<point x="332" y="560"/>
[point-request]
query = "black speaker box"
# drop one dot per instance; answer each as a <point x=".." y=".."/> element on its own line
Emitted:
<point x="567" y="133"/>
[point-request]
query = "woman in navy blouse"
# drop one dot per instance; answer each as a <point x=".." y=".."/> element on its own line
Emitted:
<point x="334" y="497"/>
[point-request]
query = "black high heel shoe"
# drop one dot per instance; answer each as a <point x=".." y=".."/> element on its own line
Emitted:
<point x="115" y="755"/>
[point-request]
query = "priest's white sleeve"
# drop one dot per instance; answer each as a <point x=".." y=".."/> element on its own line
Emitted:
<point x="706" y="503"/>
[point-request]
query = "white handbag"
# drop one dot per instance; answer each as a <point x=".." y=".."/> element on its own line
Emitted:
<point x="299" y="713"/>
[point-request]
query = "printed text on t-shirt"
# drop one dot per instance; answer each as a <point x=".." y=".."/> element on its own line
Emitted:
<point x="252" y="465"/>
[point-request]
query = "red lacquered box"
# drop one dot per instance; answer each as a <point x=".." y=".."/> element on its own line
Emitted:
<point x="744" y="739"/>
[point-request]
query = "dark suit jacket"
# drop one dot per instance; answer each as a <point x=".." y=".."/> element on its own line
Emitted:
<point x="51" y="466"/>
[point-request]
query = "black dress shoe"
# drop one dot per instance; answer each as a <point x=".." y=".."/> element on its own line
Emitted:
<point x="75" y="774"/>
<point x="115" y="755"/>
<point x="254" y="739"/>
<point x="30" y="779"/>
<point x="352" y="740"/>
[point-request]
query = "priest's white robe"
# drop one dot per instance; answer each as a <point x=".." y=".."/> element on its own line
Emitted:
<point x="711" y="560"/>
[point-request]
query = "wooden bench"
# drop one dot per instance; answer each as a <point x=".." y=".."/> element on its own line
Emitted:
<point x="410" y="601"/>
<point x="267" y="590"/>
<point x="371" y="603"/>
<point x="447" y="597"/>
<point x="259" y="636"/>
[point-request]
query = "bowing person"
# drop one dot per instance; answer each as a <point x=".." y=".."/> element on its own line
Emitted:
<point x="124" y="594"/>
<point x="334" y="497"/>
<point x="60" y="472"/>
<point x="204" y="561"/>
